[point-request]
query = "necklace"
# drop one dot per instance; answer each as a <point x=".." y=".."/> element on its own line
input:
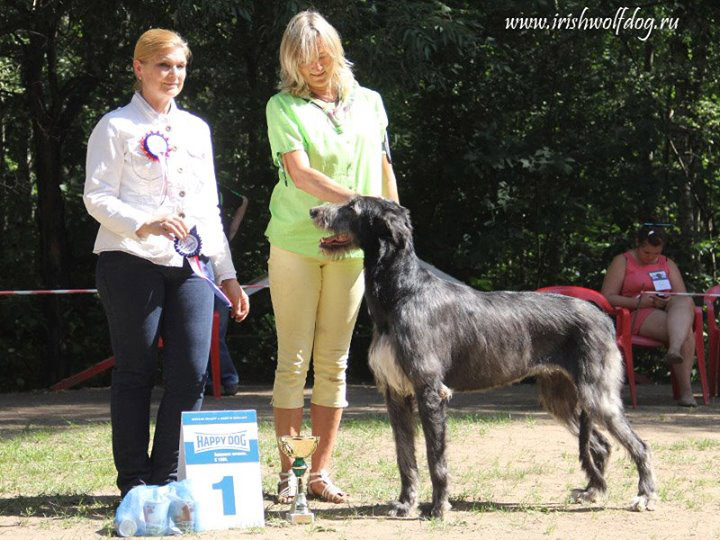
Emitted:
<point x="327" y="98"/>
<point x="336" y="114"/>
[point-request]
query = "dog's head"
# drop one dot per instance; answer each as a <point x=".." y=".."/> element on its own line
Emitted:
<point x="362" y="222"/>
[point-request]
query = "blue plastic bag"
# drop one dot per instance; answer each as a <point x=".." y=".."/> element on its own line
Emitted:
<point x="157" y="511"/>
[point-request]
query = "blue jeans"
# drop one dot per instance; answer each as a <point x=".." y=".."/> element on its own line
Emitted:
<point x="144" y="301"/>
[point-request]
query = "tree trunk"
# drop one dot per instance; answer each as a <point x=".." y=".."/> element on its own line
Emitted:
<point x="47" y="145"/>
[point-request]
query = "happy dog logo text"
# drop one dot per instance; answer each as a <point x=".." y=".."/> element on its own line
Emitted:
<point x="206" y="442"/>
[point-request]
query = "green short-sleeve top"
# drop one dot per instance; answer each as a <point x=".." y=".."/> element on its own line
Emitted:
<point x="347" y="146"/>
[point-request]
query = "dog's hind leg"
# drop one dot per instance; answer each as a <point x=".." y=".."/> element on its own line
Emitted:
<point x="400" y="411"/>
<point x="599" y="395"/>
<point x="618" y="426"/>
<point x="559" y="396"/>
<point x="598" y="389"/>
<point x="593" y="457"/>
<point x="600" y="450"/>
<point x="432" y="406"/>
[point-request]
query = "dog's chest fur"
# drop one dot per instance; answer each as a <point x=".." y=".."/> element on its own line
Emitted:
<point x="388" y="373"/>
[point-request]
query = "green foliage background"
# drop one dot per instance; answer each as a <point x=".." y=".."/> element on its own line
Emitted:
<point x="526" y="157"/>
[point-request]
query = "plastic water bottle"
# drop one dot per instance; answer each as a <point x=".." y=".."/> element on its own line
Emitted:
<point x="127" y="527"/>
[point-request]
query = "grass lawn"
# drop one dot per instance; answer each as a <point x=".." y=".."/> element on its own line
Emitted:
<point x="511" y="475"/>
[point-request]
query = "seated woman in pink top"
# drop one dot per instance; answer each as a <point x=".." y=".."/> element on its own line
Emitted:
<point x="655" y="315"/>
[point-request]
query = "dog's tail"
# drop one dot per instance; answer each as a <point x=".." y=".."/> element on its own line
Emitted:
<point x="558" y="395"/>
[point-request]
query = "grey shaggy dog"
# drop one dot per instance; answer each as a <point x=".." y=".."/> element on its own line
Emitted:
<point x="432" y="337"/>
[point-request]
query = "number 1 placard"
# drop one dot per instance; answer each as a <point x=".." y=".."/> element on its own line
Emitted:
<point x="219" y="454"/>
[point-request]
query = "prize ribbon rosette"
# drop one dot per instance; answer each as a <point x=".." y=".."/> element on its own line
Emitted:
<point x="156" y="147"/>
<point x="190" y="248"/>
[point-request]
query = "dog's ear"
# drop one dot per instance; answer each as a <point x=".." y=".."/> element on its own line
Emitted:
<point x="355" y="204"/>
<point x="399" y="225"/>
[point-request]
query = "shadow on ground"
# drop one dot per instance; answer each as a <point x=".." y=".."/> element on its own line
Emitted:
<point x="29" y="411"/>
<point x="97" y="507"/>
<point x="382" y="510"/>
<point x="102" y="507"/>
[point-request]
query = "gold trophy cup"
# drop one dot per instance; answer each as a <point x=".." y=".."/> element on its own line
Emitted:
<point x="298" y="448"/>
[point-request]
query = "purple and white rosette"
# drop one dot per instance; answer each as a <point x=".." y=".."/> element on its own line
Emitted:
<point x="190" y="248"/>
<point x="191" y="245"/>
<point x="156" y="147"/>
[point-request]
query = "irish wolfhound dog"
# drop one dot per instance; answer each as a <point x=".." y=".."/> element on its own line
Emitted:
<point x="432" y="337"/>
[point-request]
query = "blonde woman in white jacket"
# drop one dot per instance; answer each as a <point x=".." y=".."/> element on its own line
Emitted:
<point x="150" y="183"/>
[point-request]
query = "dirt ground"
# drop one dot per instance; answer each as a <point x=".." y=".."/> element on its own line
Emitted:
<point x="531" y="506"/>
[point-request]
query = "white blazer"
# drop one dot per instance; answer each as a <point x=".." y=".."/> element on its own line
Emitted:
<point x="124" y="187"/>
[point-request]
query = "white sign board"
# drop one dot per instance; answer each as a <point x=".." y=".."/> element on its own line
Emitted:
<point x="219" y="453"/>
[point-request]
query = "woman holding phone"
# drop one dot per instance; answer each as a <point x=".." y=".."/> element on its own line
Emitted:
<point x="639" y="280"/>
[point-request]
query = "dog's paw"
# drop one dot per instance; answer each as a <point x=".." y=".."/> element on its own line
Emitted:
<point x="438" y="511"/>
<point x="644" y="502"/>
<point x="588" y="495"/>
<point x="445" y="393"/>
<point x="400" y="509"/>
<point x="434" y="511"/>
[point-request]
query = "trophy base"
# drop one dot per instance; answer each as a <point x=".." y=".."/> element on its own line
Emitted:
<point x="301" y="519"/>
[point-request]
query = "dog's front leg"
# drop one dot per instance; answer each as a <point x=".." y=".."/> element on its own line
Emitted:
<point x="432" y="406"/>
<point x="400" y="411"/>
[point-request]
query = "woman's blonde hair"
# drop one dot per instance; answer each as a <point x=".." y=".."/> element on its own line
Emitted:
<point x="155" y="42"/>
<point x="300" y="44"/>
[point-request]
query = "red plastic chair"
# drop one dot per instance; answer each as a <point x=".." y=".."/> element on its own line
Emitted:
<point x="641" y="341"/>
<point x="622" y="326"/>
<point x="714" y="335"/>
<point x="626" y="340"/>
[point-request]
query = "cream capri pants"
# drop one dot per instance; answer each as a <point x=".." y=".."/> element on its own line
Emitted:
<point x="316" y="303"/>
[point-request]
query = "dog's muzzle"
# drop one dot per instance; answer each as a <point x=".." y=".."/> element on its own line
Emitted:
<point x="338" y="241"/>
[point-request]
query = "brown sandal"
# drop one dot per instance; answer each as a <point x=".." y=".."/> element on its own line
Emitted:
<point x="330" y="493"/>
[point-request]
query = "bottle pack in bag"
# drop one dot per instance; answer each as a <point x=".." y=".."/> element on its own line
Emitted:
<point x="157" y="511"/>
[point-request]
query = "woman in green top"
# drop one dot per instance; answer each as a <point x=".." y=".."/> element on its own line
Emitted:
<point x="328" y="141"/>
